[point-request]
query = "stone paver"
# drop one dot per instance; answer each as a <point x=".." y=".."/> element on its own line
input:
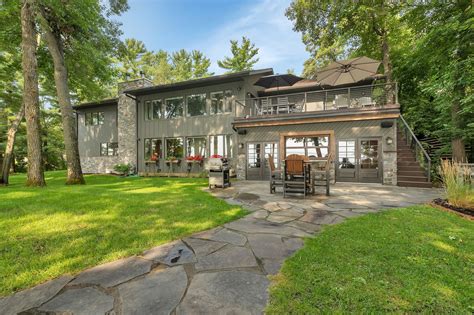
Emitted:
<point x="223" y="270"/>
<point x="113" y="273"/>
<point x="203" y="247"/>
<point x="157" y="293"/>
<point x="226" y="292"/>
<point x="83" y="301"/>
<point x="171" y="254"/>
<point x="224" y="235"/>
<point x="34" y="297"/>
<point x="227" y="258"/>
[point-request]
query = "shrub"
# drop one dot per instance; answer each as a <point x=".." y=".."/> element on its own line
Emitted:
<point x="123" y="168"/>
<point x="457" y="183"/>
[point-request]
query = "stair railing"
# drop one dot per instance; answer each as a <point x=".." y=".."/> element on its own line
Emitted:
<point x="420" y="153"/>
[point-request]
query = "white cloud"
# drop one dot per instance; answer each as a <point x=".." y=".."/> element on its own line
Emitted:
<point x="267" y="26"/>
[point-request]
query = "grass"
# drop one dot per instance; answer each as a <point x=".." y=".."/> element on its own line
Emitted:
<point x="47" y="232"/>
<point x="409" y="260"/>
<point x="457" y="183"/>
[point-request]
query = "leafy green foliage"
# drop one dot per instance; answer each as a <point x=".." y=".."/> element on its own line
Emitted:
<point x="243" y="56"/>
<point x="60" y="229"/>
<point x="409" y="260"/>
<point x="135" y="60"/>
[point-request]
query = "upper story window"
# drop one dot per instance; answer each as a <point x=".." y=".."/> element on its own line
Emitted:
<point x="174" y="107"/>
<point x="108" y="148"/>
<point x="312" y="147"/>
<point x="196" y="105"/>
<point x="95" y="118"/>
<point x="220" y="145"/>
<point x="221" y="102"/>
<point x="153" y="109"/>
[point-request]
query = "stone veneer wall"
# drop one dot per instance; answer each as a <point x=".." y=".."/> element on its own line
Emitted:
<point x="127" y="120"/>
<point x="99" y="164"/>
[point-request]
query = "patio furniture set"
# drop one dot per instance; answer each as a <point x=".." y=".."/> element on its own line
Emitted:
<point x="300" y="175"/>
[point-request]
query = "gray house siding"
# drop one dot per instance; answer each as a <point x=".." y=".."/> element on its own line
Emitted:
<point x="91" y="136"/>
<point x="194" y="126"/>
<point x="347" y="130"/>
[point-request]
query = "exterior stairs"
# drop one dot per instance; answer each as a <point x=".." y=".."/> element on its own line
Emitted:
<point x="410" y="173"/>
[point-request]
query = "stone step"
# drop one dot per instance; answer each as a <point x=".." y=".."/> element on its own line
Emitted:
<point x="403" y="178"/>
<point x="416" y="172"/>
<point x="407" y="163"/>
<point x="414" y="184"/>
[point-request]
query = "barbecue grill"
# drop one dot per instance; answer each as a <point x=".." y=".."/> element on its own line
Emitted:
<point x="219" y="175"/>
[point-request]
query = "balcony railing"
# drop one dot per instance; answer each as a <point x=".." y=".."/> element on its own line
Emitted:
<point x="359" y="97"/>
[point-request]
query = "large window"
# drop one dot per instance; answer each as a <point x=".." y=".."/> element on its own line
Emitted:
<point x="174" y="107"/>
<point x="153" y="109"/>
<point x="153" y="149"/>
<point x="196" y="105"/>
<point x="313" y="147"/>
<point x="221" y="102"/>
<point x="95" y="118"/>
<point x="174" y="148"/>
<point x="196" y="146"/>
<point x="221" y="145"/>
<point x="108" y="148"/>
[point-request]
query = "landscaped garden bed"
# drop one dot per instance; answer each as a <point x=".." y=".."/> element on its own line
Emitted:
<point x="47" y="232"/>
<point x="409" y="260"/>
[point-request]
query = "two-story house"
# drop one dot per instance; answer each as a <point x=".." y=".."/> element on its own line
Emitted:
<point x="161" y="129"/>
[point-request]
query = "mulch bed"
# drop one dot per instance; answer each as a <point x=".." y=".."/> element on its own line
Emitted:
<point x="445" y="205"/>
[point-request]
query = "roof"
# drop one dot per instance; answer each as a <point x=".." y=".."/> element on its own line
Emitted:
<point x="108" y="101"/>
<point x="223" y="78"/>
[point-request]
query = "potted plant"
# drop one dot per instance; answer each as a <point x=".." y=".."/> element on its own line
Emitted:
<point x="172" y="160"/>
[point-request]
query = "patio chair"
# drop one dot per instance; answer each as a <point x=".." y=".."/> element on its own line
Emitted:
<point x="275" y="175"/>
<point x="342" y="101"/>
<point x="266" y="106"/>
<point x="296" y="178"/>
<point x="322" y="176"/>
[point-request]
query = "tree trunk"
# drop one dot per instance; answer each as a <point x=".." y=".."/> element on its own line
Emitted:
<point x="35" y="175"/>
<point x="387" y="68"/>
<point x="55" y="47"/>
<point x="457" y="143"/>
<point x="6" y="164"/>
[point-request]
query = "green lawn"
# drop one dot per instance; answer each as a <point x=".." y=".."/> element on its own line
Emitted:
<point x="46" y="232"/>
<point x="410" y="260"/>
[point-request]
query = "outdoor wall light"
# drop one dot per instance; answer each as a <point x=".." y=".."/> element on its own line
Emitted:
<point x="241" y="145"/>
<point x="389" y="140"/>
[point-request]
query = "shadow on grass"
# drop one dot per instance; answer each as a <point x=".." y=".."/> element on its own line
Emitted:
<point x="46" y="232"/>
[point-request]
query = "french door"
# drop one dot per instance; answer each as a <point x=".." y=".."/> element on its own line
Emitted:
<point x="257" y="159"/>
<point x="359" y="160"/>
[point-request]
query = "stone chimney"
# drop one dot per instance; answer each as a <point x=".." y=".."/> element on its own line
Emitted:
<point x="127" y="121"/>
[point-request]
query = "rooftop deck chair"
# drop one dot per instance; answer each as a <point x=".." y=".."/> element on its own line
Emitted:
<point x="275" y="175"/>
<point x="266" y="106"/>
<point x="296" y="178"/>
<point x="283" y="105"/>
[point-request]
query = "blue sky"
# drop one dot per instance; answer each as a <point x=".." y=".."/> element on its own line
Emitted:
<point x="208" y="25"/>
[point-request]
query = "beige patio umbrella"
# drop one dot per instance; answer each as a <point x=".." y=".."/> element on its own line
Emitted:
<point x="348" y="71"/>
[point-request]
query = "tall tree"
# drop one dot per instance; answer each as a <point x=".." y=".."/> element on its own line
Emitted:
<point x="243" y="56"/>
<point x="130" y="55"/>
<point x="63" y="24"/>
<point x="437" y="72"/>
<point x="35" y="175"/>
<point x="11" y="108"/>
<point x="333" y="30"/>
<point x="186" y="66"/>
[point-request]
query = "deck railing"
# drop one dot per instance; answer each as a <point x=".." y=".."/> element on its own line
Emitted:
<point x="412" y="141"/>
<point x="359" y="97"/>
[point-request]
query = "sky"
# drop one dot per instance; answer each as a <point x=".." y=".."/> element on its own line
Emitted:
<point x="209" y="25"/>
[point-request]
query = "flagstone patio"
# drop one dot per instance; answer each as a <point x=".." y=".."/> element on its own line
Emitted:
<point x="223" y="270"/>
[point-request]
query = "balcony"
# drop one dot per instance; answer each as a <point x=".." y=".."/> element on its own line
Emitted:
<point x="339" y="100"/>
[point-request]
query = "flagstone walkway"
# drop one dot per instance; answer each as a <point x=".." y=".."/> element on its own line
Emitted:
<point x="220" y="271"/>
